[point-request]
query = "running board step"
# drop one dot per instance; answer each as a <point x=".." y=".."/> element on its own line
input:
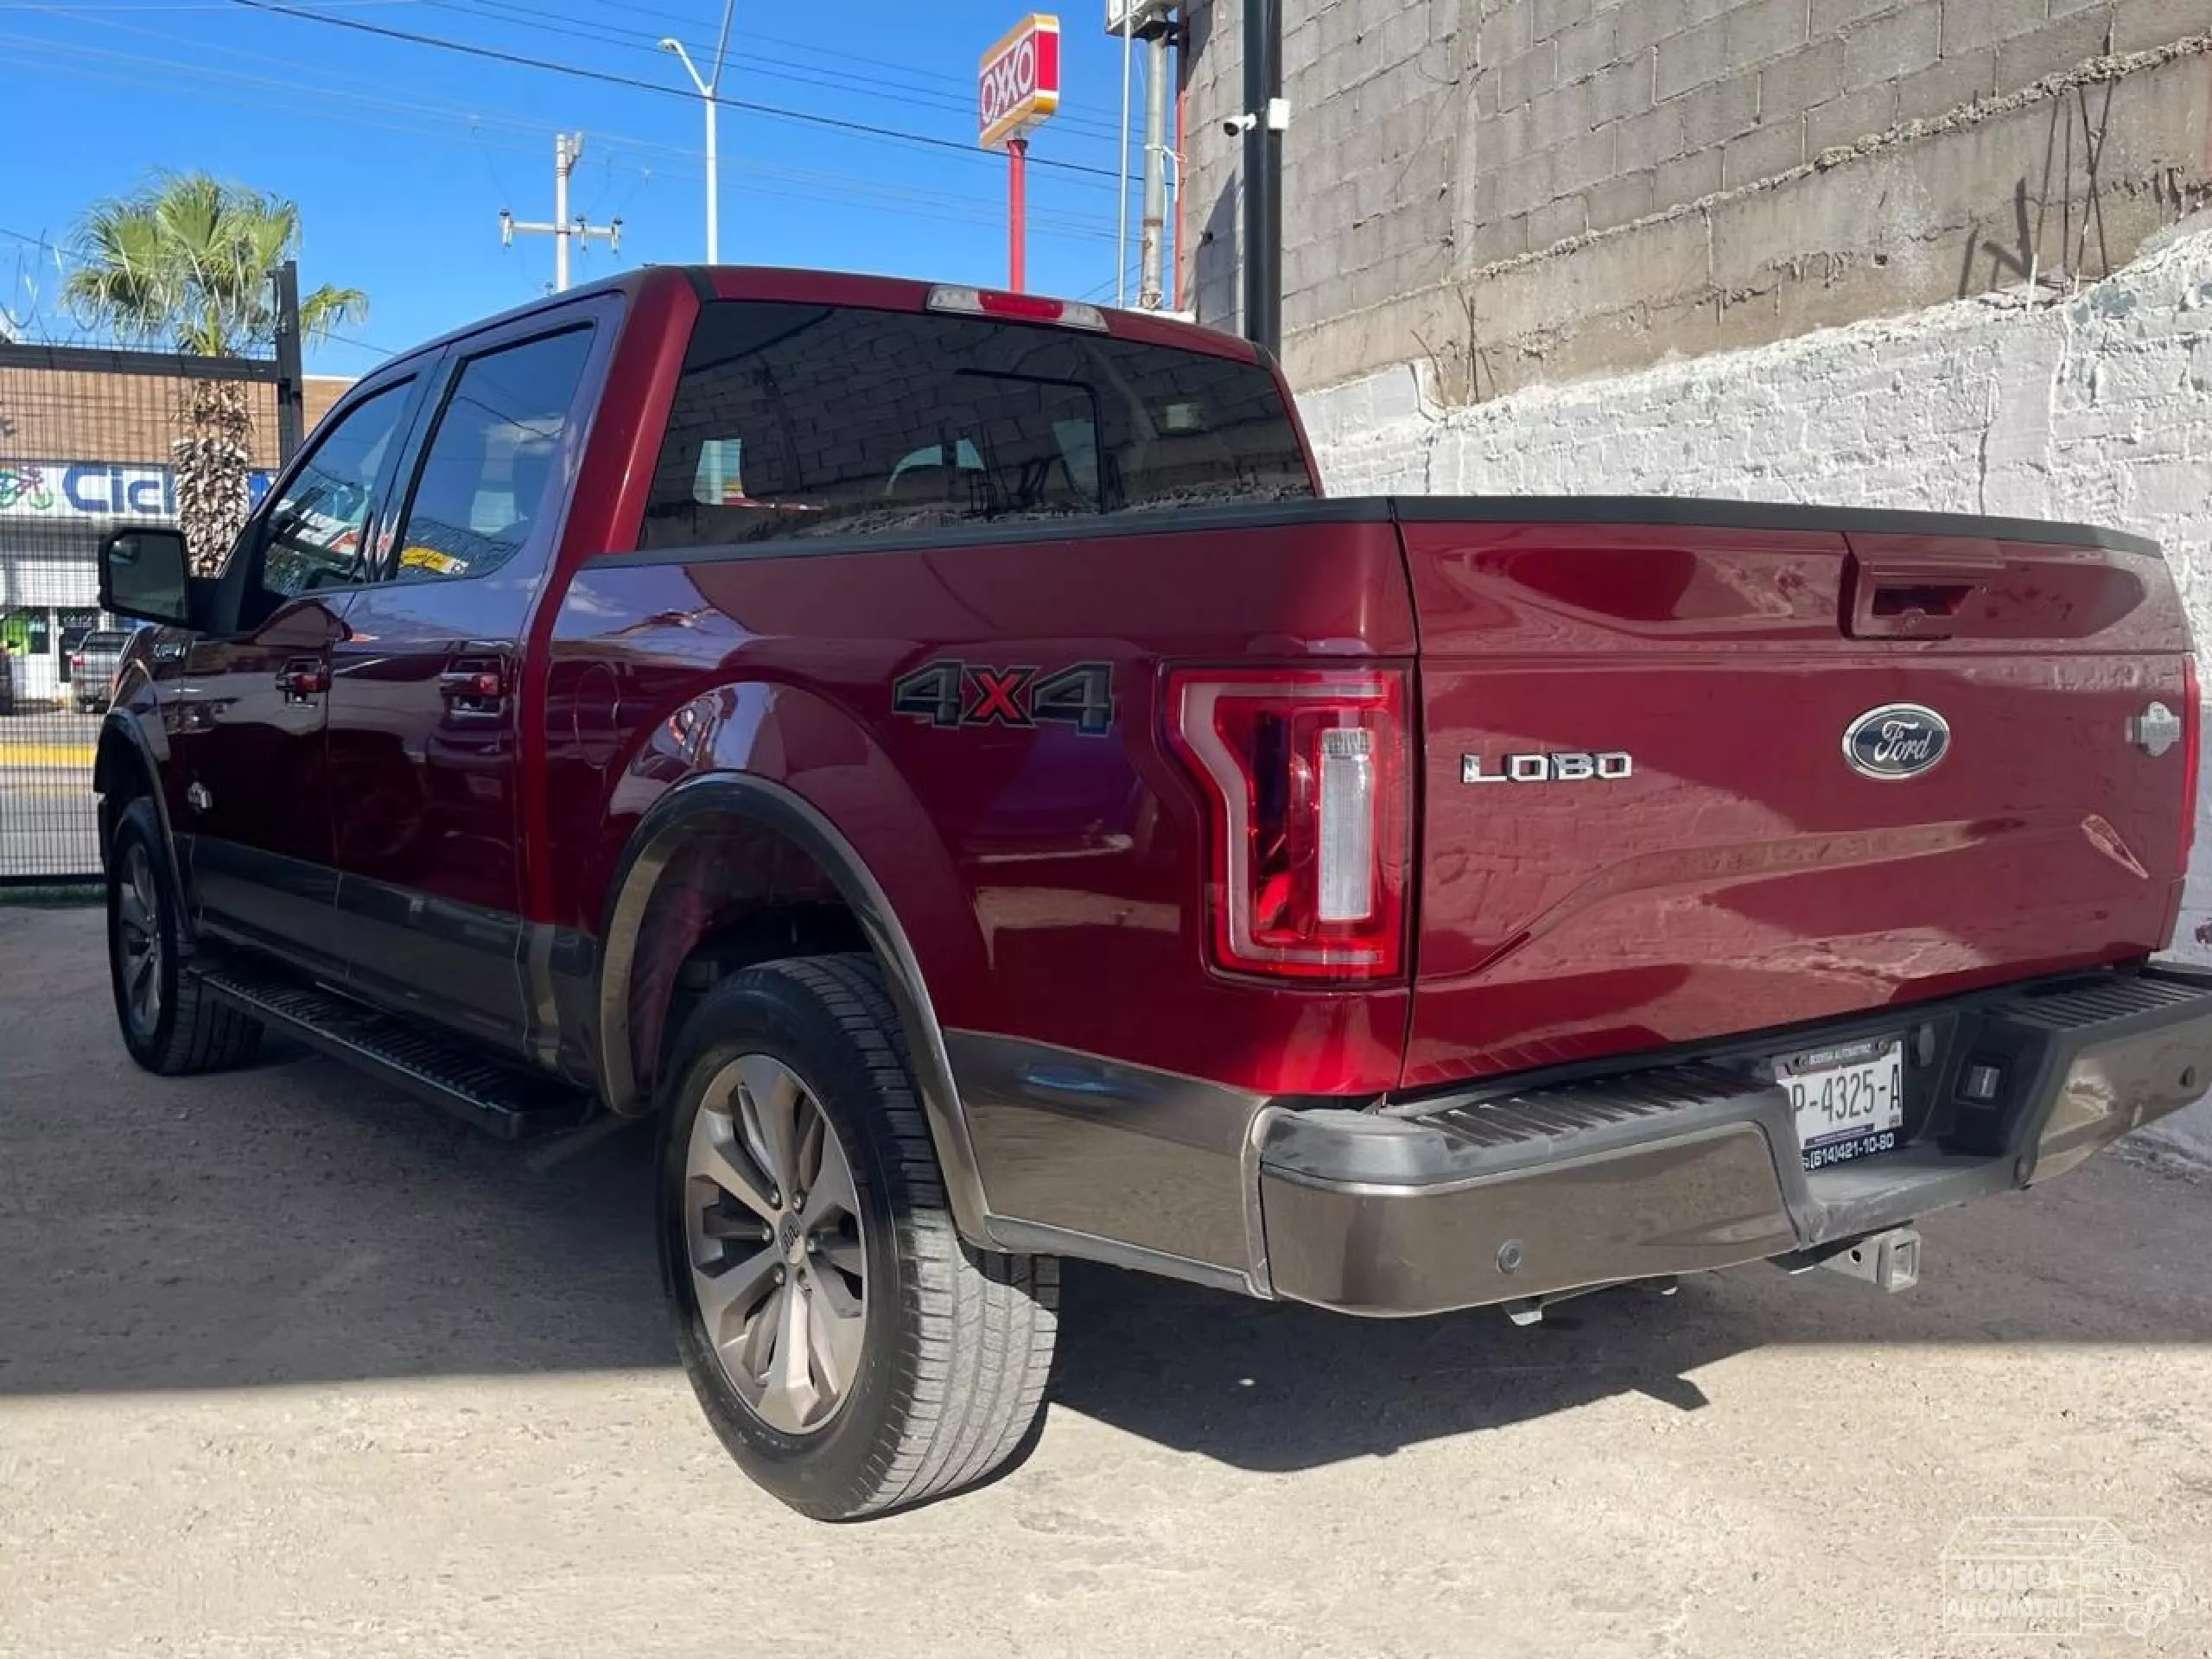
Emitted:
<point x="511" y="1104"/>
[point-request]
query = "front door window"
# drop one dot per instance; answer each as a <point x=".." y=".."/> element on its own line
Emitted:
<point x="313" y="534"/>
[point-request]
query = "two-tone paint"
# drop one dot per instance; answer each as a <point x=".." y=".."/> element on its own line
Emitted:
<point x="1038" y="890"/>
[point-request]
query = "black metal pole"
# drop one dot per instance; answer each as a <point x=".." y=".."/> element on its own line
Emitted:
<point x="291" y="377"/>
<point x="1262" y="175"/>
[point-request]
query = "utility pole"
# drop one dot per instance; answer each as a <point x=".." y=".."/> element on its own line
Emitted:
<point x="1151" y="235"/>
<point x="709" y="85"/>
<point x="1122" y="184"/>
<point x="1265" y="117"/>
<point x="567" y="149"/>
<point x="1155" y="24"/>
<point x="291" y="380"/>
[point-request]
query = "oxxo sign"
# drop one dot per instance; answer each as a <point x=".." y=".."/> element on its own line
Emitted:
<point x="1018" y="80"/>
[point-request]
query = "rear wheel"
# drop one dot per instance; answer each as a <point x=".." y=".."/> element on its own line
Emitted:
<point x="851" y="1352"/>
<point x="170" y="1023"/>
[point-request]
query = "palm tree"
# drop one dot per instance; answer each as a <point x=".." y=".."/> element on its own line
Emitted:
<point x="184" y="261"/>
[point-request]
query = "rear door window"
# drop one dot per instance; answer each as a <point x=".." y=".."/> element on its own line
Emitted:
<point x="793" y="421"/>
<point x="483" y="485"/>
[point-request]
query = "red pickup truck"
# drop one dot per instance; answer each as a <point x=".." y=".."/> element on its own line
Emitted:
<point x="938" y="751"/>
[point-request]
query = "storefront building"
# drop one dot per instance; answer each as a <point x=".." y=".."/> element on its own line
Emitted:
<point x="83" y="453"/>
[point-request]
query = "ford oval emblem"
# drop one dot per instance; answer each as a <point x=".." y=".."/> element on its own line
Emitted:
<point x="1898" y="740"/>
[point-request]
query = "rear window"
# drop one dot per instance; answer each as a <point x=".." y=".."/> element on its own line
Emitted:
<point x="104" y="642"/>
<point x="801" y="420"/>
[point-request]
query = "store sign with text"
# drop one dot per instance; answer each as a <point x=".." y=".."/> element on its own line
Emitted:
<point x="1018" y="81"/>
<point x="56" y="490"/>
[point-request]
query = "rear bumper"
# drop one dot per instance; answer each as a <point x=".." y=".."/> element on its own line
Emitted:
<point x="1468" y="1202"/>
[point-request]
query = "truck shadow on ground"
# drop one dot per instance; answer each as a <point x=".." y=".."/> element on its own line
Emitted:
<point x="1275" y="1387"/>
<point x="296" y="1223"/>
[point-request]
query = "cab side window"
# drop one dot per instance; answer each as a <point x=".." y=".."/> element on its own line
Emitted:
<point x="482" y="489"/>
<point x="312" y="536"/>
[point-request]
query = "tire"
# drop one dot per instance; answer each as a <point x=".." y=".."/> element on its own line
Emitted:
<point x="946" y="1379"/>
<point x="182" y="1030"/>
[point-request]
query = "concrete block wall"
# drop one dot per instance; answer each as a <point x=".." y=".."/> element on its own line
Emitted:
<point x="1609" y="111"/>
<point x="1372" y="165"/>
<point x="2097" y="407"/>
<point x="1525" y="189"/>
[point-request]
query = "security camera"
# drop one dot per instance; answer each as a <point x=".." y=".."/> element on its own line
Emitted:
<point x="1237" y="125"/>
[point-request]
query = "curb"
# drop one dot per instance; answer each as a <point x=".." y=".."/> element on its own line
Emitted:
<point x="46" y="754"/>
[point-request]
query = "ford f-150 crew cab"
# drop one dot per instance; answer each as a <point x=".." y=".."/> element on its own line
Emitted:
<point x="937" y="750"/>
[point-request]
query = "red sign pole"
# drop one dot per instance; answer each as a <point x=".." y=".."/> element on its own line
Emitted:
<point x="1017" y="86"/>
<point x="1015" y="149"/>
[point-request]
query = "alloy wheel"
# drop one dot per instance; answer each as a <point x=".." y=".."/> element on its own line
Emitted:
<point x="138" y="941"/>
<point x="779" y="1259"/>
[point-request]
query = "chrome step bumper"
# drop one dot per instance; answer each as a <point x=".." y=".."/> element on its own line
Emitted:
<point x="1688" y="1168"/>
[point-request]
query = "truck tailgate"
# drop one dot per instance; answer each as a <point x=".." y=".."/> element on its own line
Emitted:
<point x="1644" y="823"/>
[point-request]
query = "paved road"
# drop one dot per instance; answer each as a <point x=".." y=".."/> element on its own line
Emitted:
<point x="288" y="1367"/>
<point x="49" y="821"/>
<point x="48" y="815"/>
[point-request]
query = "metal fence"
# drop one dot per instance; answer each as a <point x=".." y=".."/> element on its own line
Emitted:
<point x="91" y="440"/>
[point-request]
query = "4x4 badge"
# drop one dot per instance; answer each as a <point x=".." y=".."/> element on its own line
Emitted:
<point x="949" y="694"/>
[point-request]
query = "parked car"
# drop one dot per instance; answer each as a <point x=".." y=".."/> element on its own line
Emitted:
<point x="938" y="751"/>
<point x="91" y="667"/>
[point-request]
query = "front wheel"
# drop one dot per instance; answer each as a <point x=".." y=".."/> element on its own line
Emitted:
<point x="853" y="1354"/>
<point x="170" y="1023"/>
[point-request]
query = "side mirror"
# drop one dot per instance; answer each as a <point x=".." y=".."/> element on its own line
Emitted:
<point x="143" y="574"/>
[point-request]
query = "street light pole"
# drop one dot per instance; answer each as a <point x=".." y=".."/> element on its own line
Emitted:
<point x="708" y="85"/>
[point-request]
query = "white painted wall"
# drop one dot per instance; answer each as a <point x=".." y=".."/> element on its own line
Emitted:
<point x="2096" y="408"/>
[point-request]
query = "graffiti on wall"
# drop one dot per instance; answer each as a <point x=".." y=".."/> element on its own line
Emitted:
<point x="23" y="482"/>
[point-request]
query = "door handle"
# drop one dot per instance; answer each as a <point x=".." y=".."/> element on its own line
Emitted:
<point x="301" y="679"/>
<point x="478" y="689"/>
<point x="1913" y="588"/>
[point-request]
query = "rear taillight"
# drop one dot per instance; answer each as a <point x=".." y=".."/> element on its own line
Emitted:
<point x="76" y="659"/>
<point x="1306" y="783"/>
<point x="2190" y="719"/>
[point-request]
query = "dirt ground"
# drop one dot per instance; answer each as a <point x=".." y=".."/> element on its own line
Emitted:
<point x="289" y="1366"/>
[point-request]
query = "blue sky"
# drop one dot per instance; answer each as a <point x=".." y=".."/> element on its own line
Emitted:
<point x="401" y="155"/>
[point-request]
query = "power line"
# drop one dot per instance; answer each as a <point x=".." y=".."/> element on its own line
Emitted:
<point x="809" y="188"/>
<point x="362" y="344"/>
<point x="608" y="77"/>
<point x="958" y="93"/>
<point x="760" y="176"/>
<point x="165" y="5"/>
<point x="475" y="118"/>
<point x="840" y="56"/>
<point x="896" y="91"/>
<point x="896" y="200"/>
<point x="292" y="84"/>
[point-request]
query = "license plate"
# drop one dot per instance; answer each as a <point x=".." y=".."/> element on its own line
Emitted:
<point x="1848" y="1100"/>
